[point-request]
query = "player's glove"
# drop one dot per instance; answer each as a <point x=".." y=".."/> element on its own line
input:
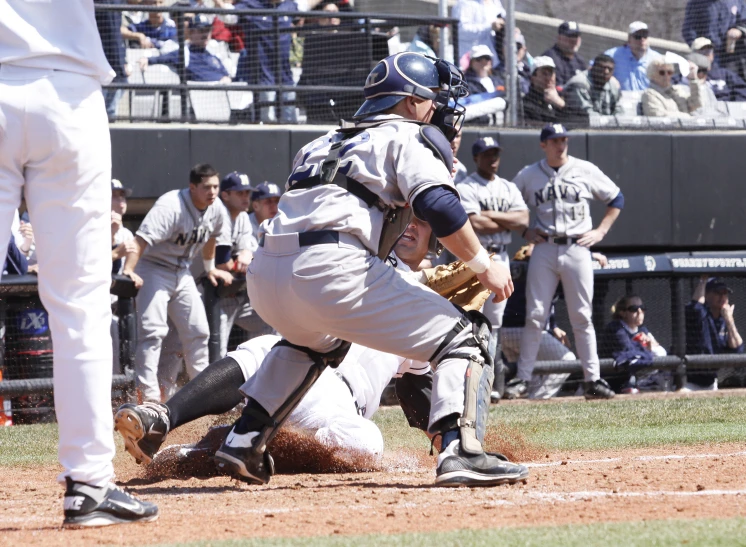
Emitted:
<point x="458" y="284"/>
<point x="522" y="254"/>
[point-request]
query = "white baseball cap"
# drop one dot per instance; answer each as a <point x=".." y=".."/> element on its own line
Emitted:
<point x="701" y="43"/>
<point x="637" y="26"/>
<point x="543" y="61"/>
<point x="480" y="51"/>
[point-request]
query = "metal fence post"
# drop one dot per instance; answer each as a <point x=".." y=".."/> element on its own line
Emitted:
<point x="510" y="59"/>
<point x="127" y="332"/>
<point x="181" y="66"/>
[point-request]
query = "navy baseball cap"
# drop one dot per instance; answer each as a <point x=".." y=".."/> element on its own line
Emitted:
<point x="716" y="284"/>
<point x="569" y="28"/>
<point x="484" y="144"/>
<point x="266" y="190"/>
<point x="235" y="181"/>
<point x="200" y="21"/>
<point x="553" y="131"/>
<point x="116" y="184"/>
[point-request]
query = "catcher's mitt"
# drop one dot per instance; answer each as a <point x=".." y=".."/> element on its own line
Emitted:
<point x="457" y="283"/>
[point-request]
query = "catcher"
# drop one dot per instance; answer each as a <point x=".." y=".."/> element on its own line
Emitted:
<point x="337" y="410"/>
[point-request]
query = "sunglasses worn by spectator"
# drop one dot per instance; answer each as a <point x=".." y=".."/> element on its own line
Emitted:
<point x="484" y="58"/>
<point x="640" y="35"/>
<point x="702" y="71"/>
<point x="634" y="309"/>
<point x="664" y="72"/>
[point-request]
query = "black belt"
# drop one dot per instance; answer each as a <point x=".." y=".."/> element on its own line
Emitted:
<point x="562" y="240"/>
<point x="306" y="239"/>
<point x="496" y="248"/>
<point x="360" y="410"/>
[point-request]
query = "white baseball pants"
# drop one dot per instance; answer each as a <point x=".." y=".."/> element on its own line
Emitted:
<point x="315" y="296"/>
<point x="55" y="147"/>
<point x="551" y="263"/>
<point x="168" y="294"/>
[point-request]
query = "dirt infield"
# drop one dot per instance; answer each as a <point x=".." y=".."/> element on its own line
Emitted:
<point x="584" y="487"/>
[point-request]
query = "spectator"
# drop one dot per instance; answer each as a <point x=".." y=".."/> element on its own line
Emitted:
<point x="664" y="99"/>
<point x="593" y="91"/>
<point x="109" y="28"/>
<point x="631" y="344"/>
<point x="329" y="21"/>
<point x="157" y="28"/>
<point x="631" y="60"/>
<point x="524" y="62"/>
<point x="708" y="100"/>
<point x="15" y="261"/>
<point x="565" y="52"/>
<point x="543" y="103"/>
<point x="479" y="20"/>
<point x="201" y="65"/>
<point x="726" y="84"/>
<point x="710" y="328"/>
<point x="258" y="63"/>
<point x="264" y="201"/>
<point x="722" y="21"/>
<point x="426" y="41"/>
<point x="480" y="79"/>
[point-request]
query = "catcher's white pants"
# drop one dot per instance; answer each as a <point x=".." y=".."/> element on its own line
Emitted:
<point x="237" y="310"/>
<point x="571" y="264"/>
<point x="168" y="294"/>
<point x="542" y="386"/>
<point x="315" y="296"/>
<point x="54" y="145"/>
<point x="494" y="312"/>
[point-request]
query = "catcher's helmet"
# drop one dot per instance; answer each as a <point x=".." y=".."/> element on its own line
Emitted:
<point x="411" y="74"/>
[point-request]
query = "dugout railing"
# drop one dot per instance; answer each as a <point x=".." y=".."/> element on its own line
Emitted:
<point x="328" y="76"/>
<point x="26" y="350"/>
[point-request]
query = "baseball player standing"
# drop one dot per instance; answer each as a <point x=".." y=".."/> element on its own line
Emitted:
<point x="319" y="277"/>
<point x="495" y="207"/>
<point x="235" y="193"/>
<point x="55" y="147"/>
<point x="558" y="189"/>
<point x="180" y="224"/>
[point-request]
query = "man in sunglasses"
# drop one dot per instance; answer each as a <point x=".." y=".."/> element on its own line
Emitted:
<point x="594" y="91"/>
<point x="631" y="60"/>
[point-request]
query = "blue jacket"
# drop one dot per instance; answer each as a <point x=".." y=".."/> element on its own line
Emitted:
<point x="202" y="66"/>
<point x="704" y="333"/>
<point x="726" y="84"/>
<point x="617" y="342"/>
<point x="259" y="66"/>
<point x="15" y="261"/>
<point x="712" y="19"/>
<point x="158" y="35"/>
<point x="109" y="25"/>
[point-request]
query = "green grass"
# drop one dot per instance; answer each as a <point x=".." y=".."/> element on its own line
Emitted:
<point x="28" y="445"/>
<point x="579" y="425"/>
<point x="727" y="532"/>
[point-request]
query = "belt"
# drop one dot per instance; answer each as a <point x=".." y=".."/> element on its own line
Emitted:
<point x="320" y="237"/>
<point x="497" y="248"/>
<point x="562" y="240"/>
<point x="360" y="410"/>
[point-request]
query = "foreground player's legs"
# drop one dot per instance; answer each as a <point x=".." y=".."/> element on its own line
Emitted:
<point x="68" y="177"/>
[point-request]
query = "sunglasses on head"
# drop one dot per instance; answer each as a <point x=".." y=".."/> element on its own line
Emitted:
<point x="635" y="309"/>
<point x="664" y="72"/>
<point x="640" y="35"/>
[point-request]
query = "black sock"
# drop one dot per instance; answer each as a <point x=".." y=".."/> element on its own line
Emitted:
<point x="213" y="391"/>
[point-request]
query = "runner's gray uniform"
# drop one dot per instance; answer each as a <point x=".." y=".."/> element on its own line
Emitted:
<point x="175" y="232"/>
<point x="559" y="201"/>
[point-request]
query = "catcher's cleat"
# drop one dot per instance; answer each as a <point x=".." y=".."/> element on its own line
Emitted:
<point x="457" y="468"/>
<point x="89" y="506"/>
<point x="516" y="389"/>
<point x="598" y="390"/>
<point x="144" y="428"/>
<point x="238" y="457"/>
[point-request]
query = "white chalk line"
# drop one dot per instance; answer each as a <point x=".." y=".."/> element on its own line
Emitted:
<point x="637" y="458"/>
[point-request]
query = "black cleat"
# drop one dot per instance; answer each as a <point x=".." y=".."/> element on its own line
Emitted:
<point x="598" y="390"/>
<point x="144" y="428"/>
<point x="89" y="506"/>
<point x="238" y="457"/>
<point x="457" y="468"/>
<point x="516" y="389"/>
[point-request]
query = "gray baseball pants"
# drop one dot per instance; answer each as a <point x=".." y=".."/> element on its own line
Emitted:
<point x="316" y="296"/>
<point x="168" y="294"/>
<point x="551" y="263"/>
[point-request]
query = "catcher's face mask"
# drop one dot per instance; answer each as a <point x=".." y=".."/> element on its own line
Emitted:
<point x="449" y="114"/>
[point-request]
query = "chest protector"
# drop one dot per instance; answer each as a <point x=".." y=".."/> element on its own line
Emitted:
<point x="395" y="219"/>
